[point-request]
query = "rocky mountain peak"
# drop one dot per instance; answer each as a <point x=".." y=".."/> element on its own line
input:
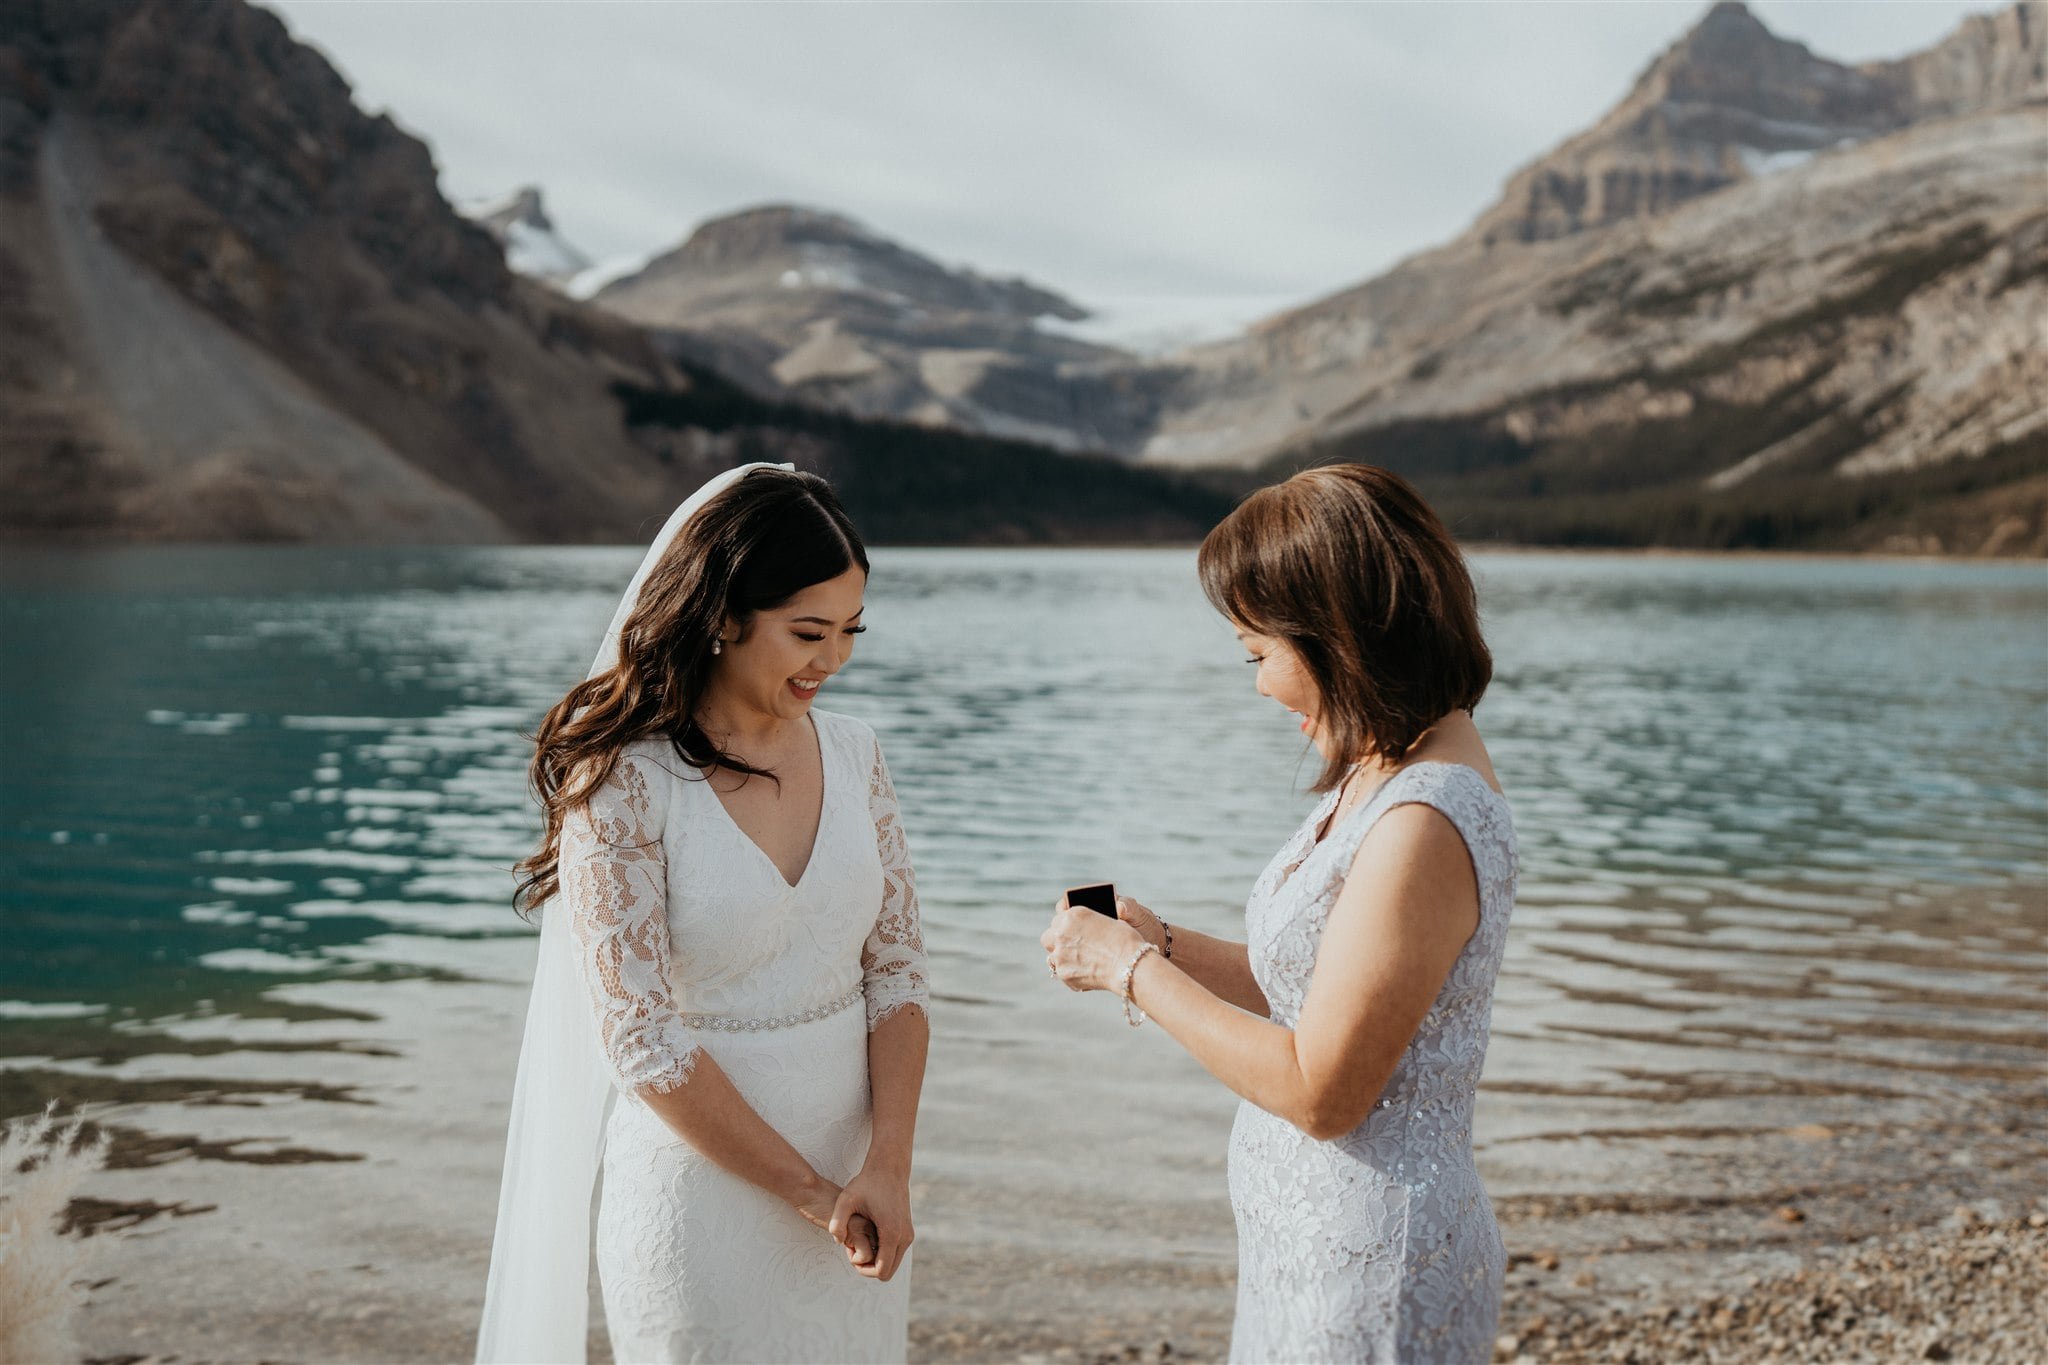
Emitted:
<point x="1731" y="100"/>
<point x="1730" y="59"/>
<point x="803" y="251"/>
<point x="1727" y="32"/>
<point x="523" y="205"/>
<point x="533" y="246"/>
<point x="753" y="230"/>
<point x="233" y="304"/>
<point x="1989" y="61"/>
<point x="801" y="303"/>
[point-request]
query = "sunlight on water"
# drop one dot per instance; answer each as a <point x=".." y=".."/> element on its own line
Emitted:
<point x="1778" y="818"/>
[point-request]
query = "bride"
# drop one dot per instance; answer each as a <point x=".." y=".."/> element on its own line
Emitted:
<point x="723" y="880"/>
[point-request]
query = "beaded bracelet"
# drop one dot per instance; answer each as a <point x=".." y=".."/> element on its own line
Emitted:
<point x="1166" y="931"/>
<point x="1132" y="1014"/>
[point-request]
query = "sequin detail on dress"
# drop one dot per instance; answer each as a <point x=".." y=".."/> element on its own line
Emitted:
<point x="1379" y="1245"/>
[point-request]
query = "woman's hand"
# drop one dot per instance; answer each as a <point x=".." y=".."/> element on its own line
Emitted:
<point x="875" y="1203"/>
<point x="819" y="1204"/>
<point x="1142" y="919"/>
<point x="1088" y="950"/>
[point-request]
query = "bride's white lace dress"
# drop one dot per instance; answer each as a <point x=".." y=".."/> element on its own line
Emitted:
<point x="693" y="943"/>
<point x="1379" y="1245"/>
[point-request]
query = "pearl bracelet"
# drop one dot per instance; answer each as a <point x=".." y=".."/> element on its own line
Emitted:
<point x="1132" y="1014"/>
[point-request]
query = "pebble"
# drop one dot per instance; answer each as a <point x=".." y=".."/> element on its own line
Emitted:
<point x="1969" y="1290"/>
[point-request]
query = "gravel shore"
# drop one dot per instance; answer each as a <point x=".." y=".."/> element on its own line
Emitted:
<point x="1971" y="1290"/>
<point x="320" y="1186"/>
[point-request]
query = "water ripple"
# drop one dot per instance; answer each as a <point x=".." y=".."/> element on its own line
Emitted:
<point x="1784" y="823"/>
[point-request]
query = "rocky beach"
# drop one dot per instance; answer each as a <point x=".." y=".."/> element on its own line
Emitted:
<point x="333" y="1202"/>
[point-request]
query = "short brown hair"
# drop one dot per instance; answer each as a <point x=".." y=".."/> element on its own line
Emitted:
<point x="1348" y="565"/>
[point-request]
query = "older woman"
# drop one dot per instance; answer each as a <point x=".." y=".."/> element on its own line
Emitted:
<point x="1354" y="1022"/>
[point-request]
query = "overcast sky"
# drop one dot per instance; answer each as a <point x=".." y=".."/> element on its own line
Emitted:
<point x="1225" y="157"/>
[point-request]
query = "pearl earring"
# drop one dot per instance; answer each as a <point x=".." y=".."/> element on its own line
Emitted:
<point x="718" y="646"/>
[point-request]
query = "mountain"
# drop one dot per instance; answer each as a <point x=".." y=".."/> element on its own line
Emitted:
<point x="533" y="247"/>
<point x="1731" y="101"/>
<point x="813" y="307"/>
<point x="234" y="306"/>
<point x="1766" y="281"/>
<point x="1630" y="247"/>
<point x="1767" y="299"/>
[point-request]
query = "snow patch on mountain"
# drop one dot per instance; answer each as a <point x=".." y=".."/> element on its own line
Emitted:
<point x="532" y="251"/>
<point x="1761" y="163"/>
<point x="585" y="283"/>
<point x="1153" y="325"/>
<point x="533" y="245"/>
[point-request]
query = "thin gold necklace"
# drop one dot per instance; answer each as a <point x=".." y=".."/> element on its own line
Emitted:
<point x="1348" y="801"/>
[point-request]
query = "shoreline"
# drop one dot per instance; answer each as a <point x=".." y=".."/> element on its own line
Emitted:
<point x="19" y="539"/>
<point x="1965" y="1283"/>
<point x="335" y="1203"/>
<point x="1967" y="1289"/>
<point x="1777" y="943"/>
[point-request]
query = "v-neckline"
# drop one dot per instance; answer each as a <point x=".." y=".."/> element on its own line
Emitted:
<point x="1324" y="817"/>
<point x="1326" y="810"/>
<point x="817" y="832"/>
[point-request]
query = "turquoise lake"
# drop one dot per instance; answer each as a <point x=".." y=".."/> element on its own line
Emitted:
<point x="1761" y="790"/>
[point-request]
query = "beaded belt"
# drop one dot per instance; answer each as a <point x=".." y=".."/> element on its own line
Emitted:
<point x="726" y="1024"/>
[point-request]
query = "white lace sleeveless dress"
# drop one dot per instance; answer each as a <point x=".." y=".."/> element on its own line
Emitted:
<point x="1379" y="1245"/>
<point x="693" y="943"/>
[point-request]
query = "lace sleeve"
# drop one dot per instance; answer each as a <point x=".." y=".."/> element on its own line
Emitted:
<point x="615" y="887"/>
<point x="892" y="963"/>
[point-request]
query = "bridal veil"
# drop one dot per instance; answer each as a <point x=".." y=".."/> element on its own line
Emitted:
<point x="537" y="1300"/>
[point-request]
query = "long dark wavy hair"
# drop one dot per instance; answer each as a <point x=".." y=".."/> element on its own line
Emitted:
<point x="750" y="549"/>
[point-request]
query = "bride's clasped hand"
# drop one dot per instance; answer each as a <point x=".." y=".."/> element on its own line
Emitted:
<point x="730" y="999"/>
<point x="870" y="1217"/>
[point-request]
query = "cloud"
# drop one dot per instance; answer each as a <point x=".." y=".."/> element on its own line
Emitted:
<point x="1219" y="151"/>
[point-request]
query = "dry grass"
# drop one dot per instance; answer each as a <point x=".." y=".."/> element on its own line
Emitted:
<point x="42" y="1164"/>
